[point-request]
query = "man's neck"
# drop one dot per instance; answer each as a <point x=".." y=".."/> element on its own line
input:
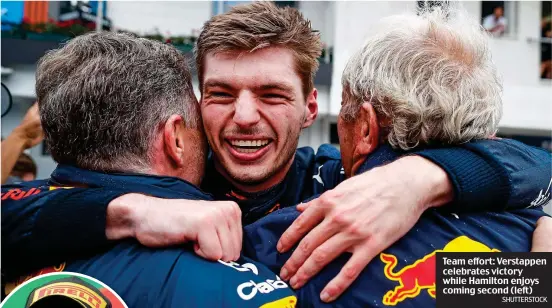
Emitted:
<point x="256" y="187"/>
<point x="382" y="155"/>
<point x="78" y="177"/>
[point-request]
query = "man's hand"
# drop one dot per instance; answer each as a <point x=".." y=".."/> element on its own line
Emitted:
<point x="26" y="135"/>
<point x="363" y="215"/>
<point x="214" y="226"/>
<point x="542" y="237"/>
<point x="30" y="130"/>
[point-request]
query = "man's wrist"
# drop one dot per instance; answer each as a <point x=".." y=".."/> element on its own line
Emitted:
<point x="431" y="181"/>
<point x="17" y="139"/>
<point x="121" y="216"/>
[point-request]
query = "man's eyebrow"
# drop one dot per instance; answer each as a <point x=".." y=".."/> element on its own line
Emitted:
<point x="219" y="84"/>
<point x="275" y="86"/>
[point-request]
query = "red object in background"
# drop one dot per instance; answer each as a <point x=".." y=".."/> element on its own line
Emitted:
<point x="35" y="12"/>
<point x="67" y="23"/>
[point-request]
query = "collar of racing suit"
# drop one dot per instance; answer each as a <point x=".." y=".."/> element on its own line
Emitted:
<point x="292" y="190"/>
<point x="253" y="205"/>
<point x="65" y="175"/>
<point x="382" y="155"/>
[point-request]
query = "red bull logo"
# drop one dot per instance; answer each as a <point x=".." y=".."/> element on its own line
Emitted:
<point x="17" y="194"/>
<point x="420" y="276"/>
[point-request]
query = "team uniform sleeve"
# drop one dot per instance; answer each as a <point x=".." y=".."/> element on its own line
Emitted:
<point x="495" y="175"/>
<point x="48" y="227"/>
<point x="177" y="277"/>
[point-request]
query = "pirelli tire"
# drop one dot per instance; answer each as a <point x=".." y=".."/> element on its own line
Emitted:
<point x="71" y="292"/>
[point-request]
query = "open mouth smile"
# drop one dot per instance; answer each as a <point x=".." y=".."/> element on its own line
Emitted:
<point x="248" y="150"/>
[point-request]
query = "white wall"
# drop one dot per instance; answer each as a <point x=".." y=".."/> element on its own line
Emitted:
<point x="21" y="82"/>
<point x="320" y="14"/>
<point x="170" y="17"/>
<point x="317" y="134"/>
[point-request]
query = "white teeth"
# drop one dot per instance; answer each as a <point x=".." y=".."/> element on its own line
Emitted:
<point x="242" y="150"/>
<point x="249" y="143"/>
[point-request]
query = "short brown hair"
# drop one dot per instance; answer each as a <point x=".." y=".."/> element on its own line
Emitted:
<point x="103" y="95"/>
<point x="25" y="164"/>
<point x="261" y="24"/>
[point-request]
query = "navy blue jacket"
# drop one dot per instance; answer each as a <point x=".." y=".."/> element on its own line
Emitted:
<point x="486" y="175"/>
<point x="172" y="277"/>
<point x="410" y="262"/>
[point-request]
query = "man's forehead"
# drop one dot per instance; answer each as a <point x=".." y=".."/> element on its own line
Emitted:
<point x="253" y="82"/>
<point x="268" y="66"/>
<point x="273" y="52"/>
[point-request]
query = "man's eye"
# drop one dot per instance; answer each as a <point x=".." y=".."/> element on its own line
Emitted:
<point x="220" y="94"/>
<point x="272" y="95"/>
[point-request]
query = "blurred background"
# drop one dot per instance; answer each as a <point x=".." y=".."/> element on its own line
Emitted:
<point x="521" y="39"/>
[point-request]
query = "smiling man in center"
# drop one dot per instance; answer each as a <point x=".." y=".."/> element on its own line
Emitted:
<point x="252" y="115"/>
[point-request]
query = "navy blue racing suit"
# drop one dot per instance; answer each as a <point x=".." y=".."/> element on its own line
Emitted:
<point x="144" y="277"/>
<point x="485" y="175"/>
<point x="404" y="274"/>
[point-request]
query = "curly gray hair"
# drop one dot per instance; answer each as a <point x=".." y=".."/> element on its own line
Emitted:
<point x="430" y="76"/>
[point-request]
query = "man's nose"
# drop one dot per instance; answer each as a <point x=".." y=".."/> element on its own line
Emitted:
<point x="247" y="112"/>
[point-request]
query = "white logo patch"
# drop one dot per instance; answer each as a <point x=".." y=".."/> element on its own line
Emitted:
<point x="317" y="176"/>
<point x="246" y="267"/>
<point x="542" y="198"/>
<point x="248" y="290"/>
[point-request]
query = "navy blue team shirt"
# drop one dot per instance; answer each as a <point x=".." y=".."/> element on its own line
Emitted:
<point x="404" y="274"/>
<point x="486" y="175"/>
<point x="170" y="277"/>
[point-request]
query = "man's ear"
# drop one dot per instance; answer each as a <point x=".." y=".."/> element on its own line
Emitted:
<point x="311" y="107"/>
<point x="173" y="137"/>
<point x="369" y="130"/>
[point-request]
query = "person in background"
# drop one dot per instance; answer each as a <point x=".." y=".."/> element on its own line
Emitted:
<point x="496" y="22"/>
<point x="23" y="171"/>
<point x="28" y="134"/>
